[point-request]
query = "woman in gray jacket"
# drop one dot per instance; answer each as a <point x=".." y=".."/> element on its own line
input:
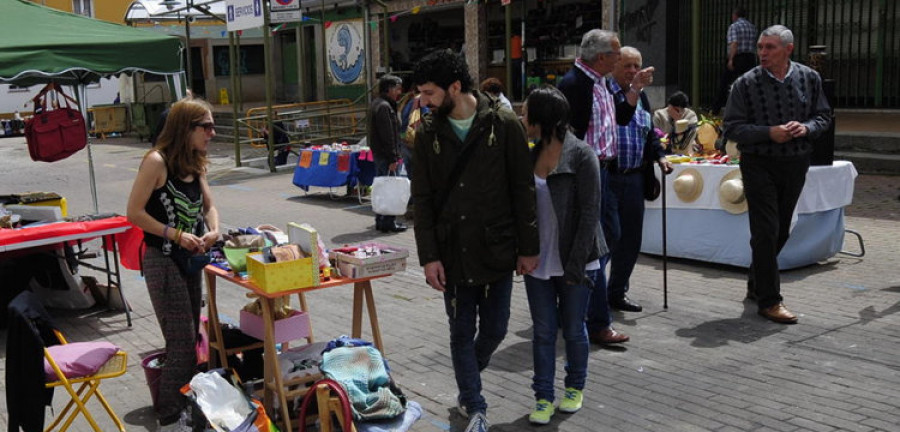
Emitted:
<point x="567" y="183"/>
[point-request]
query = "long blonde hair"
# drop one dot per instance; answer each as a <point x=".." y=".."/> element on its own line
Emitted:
<point x="174" y="141"/>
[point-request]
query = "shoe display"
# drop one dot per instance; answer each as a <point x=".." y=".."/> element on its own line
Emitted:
<point x="478" y="423"/>
<point x="572" y="400"/>
<point x="778" y="313"/>
<point x="608" y="336"/>
<point x="543" y="410"/>
<point x="625" y="304"/>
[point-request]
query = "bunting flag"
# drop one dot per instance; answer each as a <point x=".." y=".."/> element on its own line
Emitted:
<point x="323" y="158"/>
<point x="374" y="23"/>
<point x="306" y="158"/>
<point x="343" y="162"/>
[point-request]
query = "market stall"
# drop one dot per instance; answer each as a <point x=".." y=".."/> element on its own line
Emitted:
<point x="273" y="283"/>
<point x="700" y="227"/>
<point x="327" y="167"/>
<point x="56" y="235"/>
<point x="40" y="45"/>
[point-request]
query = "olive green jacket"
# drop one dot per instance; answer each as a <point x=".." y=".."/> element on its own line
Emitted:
<point x="488" y="218"/>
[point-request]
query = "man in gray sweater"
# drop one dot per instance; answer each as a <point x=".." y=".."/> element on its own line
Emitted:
<point x="774" y="113"/>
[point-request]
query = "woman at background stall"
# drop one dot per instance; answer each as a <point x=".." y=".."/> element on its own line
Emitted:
<point x="171" y="202"/>
<point x="567" y="183"/>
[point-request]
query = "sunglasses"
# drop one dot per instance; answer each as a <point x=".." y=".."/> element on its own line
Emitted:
<point x="208" y="126"/>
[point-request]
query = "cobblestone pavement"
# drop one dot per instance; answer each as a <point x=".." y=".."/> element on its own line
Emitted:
<point x="706" y="363"/>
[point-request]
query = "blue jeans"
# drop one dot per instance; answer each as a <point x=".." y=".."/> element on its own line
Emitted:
<point x="471" y="345"/>
<point x="551" y="301"/>
<point x="628" y="192"/>
<point x="599" y="316"/>
<point x="609" y="212"/>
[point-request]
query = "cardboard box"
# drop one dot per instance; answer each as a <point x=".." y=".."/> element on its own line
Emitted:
<point x="282" y="276"/>
<point x="288" y="275"/>
<point x="58" y="202"/>
<point x="391" y="260"/>
<point x="287" y="329"/>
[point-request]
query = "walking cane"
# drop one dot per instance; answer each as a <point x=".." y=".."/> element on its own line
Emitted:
<point x="662" y="187"/>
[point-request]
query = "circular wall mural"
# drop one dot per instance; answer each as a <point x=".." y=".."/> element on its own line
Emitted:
<point x="346" y="58"/>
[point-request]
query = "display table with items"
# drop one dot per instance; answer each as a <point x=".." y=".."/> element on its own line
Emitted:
<point x="707" y="217"/>
<point x="273" y="283"/>
<point x="332" y="167"/>
<point x="56" y="235"/>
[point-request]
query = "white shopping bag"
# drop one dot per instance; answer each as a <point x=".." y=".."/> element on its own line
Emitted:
<point x="390" y="194"/>
<point x="223" y="405"/>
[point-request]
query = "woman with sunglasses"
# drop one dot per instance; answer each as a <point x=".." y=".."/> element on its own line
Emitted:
<point x="567" y="184"/>
<point x="171" y="202"/>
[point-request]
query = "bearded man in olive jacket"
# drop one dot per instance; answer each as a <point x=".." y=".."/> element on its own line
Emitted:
<point x="473" y="189"/>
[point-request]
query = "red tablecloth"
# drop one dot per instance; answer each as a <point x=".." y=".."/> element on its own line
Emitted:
<point x="128" y="241"/>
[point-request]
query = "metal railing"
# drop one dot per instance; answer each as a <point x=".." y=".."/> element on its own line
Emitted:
<point x="862" y="39"/>
<point x="300" y="124"/>
<point x="307" y="122"/>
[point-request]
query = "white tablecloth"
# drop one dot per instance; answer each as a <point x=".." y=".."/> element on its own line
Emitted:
<point x="701" y="230"/>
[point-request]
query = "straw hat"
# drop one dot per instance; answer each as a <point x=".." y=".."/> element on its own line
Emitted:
<point x="688" y="185"/>
<point x="731" y="149"/>
<point x="731" y="193"/>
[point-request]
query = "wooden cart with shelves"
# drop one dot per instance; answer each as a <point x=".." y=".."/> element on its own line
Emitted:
<point x="275" y="387"/>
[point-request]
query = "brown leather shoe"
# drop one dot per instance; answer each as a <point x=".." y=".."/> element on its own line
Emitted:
<point x="608" y="336"/>
<point x="779" y="314"/>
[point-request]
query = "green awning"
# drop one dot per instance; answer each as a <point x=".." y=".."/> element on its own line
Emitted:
<point x="39" y="44"/>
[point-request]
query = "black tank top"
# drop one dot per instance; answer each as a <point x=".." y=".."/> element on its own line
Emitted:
<point x="179" y="205"/>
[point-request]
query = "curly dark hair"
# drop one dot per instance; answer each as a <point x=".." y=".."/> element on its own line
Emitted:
<point x="443" y="67"/>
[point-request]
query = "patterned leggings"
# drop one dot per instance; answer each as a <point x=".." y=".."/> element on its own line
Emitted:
<point x="176" y="301"/>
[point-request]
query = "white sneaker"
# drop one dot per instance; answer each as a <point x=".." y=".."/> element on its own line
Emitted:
<point x="478" y="423"/>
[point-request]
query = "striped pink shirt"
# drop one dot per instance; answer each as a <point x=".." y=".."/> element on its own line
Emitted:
<point x="601" y="131"/>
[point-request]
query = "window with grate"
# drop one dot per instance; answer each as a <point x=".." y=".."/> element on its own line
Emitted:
<point x="82" y="7"/>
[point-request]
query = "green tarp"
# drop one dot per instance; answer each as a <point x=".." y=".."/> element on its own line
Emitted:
<point x="39" y="44"/>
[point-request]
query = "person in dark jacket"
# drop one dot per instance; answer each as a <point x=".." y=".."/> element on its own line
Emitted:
<point x="567" y="181"/>
<point x="774" y="113"/>
<point x="473" y="190"/>
<point x="30" y="330"/>
<point x="384" y="128"/>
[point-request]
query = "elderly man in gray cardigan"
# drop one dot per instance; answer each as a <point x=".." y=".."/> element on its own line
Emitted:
<point x="775" y="113"/>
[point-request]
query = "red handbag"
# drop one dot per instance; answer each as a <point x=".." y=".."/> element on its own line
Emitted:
<point x="54" y="134"/>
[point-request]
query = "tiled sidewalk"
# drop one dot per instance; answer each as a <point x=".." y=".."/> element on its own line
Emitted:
<point x="708" y="362"/>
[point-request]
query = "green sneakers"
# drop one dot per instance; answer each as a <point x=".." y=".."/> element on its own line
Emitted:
<point x="543" y="410"/>
<point x="572" y="400"/>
